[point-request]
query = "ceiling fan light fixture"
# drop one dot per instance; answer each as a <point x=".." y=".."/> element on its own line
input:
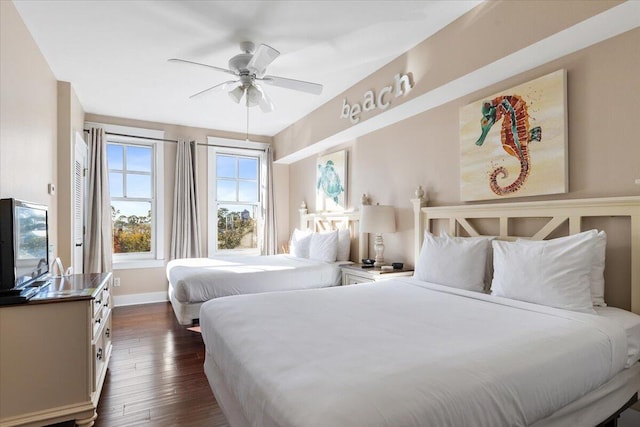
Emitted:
<point x="236" y="94"/>
<point x="254" y="96"/>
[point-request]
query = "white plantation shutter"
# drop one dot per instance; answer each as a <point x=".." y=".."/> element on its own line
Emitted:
<point x="78" y="175"/>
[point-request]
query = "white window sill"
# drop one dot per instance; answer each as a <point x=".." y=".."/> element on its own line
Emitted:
<point x="141" y="263"/>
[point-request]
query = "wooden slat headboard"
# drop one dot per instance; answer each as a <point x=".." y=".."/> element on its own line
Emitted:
<point x="556" y="213"/>
<point x="326" y="221"/>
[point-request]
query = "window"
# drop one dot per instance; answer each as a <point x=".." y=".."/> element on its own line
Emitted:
<point x="132" y="201"/>
<point x="235" y="199"/>
<point x="136" y="189"/>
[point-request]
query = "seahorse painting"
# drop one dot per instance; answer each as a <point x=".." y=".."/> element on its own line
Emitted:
<point x="515" y="136"/>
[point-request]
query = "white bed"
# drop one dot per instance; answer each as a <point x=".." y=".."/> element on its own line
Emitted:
<point x="193" y="281"/>
<point x="410" y="353"/>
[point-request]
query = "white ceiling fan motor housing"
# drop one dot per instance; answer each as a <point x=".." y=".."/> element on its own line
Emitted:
<point x="239" y="62"/>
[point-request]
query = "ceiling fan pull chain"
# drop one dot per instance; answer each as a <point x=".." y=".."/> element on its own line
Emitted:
<point x="247" y="98"/>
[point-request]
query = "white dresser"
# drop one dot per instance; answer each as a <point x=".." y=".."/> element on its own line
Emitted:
<point x="54" y="353"/>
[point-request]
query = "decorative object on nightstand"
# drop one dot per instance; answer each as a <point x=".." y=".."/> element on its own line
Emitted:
<point x="378" y="219"/>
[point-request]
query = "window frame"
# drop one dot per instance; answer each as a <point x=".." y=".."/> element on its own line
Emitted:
<point x="143" y="137"/>
<point x="222" y="146"/>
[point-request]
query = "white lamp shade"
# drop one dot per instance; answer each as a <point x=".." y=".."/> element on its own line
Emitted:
<point x="236" y="94"/>
<point x="377" y="219"/>
<point x="253" y="96"/>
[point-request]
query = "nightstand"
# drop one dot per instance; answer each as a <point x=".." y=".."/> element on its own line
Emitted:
<point x="354" y="273"/>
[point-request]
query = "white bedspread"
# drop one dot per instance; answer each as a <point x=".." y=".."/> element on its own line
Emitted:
<point x="405" y="353"/>
<point x="201" y="279"/>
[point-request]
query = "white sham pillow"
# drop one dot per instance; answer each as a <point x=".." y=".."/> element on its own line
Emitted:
<point x="596" y="277"/>
<point x="324" y="246"/>
<point x="344" y="245"/>
<point x="549" y="272"/>
<point x="488" y="269"/>
<point x="596" y="272"/>
<point x="459" y="263"/>
<point x="300" y="243"/>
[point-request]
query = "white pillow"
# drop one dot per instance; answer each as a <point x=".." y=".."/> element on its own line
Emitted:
<point x="549" y="272"/>
<point x="596" y="276"/>
<point x="488" y="268"/>
<point x="344" y="245"/>
<point x="300" y="242"/>
<point x="596" y="272"/>
<point x="324" y="246"/>
<point x="459" y="263"/>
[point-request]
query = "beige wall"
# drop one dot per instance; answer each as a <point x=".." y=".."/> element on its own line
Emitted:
<point x="70" y="121"/>
<point x="28" y="116"/>
<point x="135" y="281"/>
<point x="603" y="105"/>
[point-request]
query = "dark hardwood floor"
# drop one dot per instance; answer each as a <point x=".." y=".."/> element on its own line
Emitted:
<point x="156" y="375"/>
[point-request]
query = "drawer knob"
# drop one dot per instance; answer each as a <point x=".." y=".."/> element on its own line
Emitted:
<point x="98" y="320"/>
<point x="107" y="332"/>
<point x="99" y="354"/>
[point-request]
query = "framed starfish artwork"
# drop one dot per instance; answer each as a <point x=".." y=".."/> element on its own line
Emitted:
<point x="514" y="143"/>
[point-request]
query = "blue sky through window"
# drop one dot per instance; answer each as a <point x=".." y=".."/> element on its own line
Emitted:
<point x="115" y="156"/>
<point x="138" y="159"/>
<point x="237" y="178"/>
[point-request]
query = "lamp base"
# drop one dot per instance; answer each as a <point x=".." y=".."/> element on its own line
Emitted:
<point x="378" y="246"/>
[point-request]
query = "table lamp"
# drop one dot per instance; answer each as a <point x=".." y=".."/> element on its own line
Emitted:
<point x="378" y="219"/>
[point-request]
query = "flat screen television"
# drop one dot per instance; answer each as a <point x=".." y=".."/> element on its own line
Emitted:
<point x="24" y="243"/>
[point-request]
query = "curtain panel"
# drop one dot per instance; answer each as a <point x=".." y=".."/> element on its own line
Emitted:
<point x="98" y="238"/>
<point x="270" y="234"/>
<point x="185" y="232"/>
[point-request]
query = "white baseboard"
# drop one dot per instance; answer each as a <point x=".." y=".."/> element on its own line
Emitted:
<point x="135" y="299"/>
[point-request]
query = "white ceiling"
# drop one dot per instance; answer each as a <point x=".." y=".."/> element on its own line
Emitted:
<point x="115" y="53"/>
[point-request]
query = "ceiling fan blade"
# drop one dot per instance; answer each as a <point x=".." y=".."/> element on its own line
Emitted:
<point x="263" y="56"/>
<point x="229" y="85"/>
<point x="224" y="70"/>
<point x="300" y="85"/>
<point x="265" y="103"/>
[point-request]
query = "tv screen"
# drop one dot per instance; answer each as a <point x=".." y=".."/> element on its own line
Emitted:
<point x="25" y="242"/>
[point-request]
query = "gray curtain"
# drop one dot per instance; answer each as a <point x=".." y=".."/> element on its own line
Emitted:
<point x="185" y="233"/>
<point x="98" y="238"/>
<point x="270" y="233"/>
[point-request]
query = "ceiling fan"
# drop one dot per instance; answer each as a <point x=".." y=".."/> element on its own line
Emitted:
<point x="250" y="67"/>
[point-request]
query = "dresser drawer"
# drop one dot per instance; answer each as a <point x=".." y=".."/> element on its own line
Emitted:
<point x="99" y="358"/>
<point x="106" y="298"/>
<point x="96" y="306"/>
<point x="101" y="352"/>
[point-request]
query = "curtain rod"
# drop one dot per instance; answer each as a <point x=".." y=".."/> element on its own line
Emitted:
<point x="136" y="136"/>
<point x="168" y="140"/>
